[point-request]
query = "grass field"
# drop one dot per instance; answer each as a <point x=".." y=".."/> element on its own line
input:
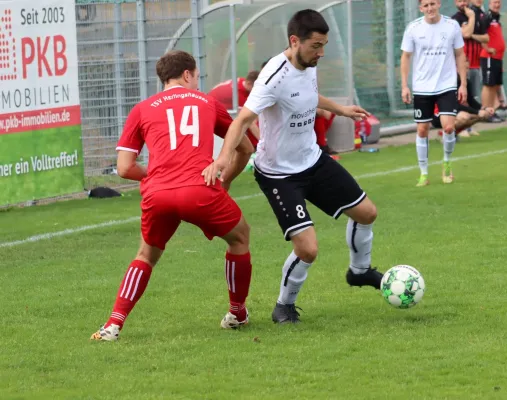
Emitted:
<point x="55" y="292"/>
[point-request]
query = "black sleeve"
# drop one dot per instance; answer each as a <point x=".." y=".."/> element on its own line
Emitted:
<point x="484" y="22"/>
<point x="460" y="18"/>
<point x="467" y="109"/>
<point x="473" y="103"/>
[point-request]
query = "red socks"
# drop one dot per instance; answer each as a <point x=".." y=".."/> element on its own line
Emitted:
<point x="131" y="289"/>
<point x="238" y="272"/>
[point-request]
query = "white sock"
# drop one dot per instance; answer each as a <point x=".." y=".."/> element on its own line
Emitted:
<point x="294" y="274"/>
<point x="360" y="240"/>
<point x="449" y="143"/>
<point x="422" y="147"/>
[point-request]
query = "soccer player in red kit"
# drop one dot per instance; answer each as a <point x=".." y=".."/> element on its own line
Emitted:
<point x="178" y="125"/>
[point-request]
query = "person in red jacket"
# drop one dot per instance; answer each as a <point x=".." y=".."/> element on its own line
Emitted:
<point x="223" y="93"/>
<point x="492" y="56"/>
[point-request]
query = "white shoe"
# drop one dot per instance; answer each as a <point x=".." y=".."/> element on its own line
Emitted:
<point x="231" y="322"/>
<point x="109" y="334"/>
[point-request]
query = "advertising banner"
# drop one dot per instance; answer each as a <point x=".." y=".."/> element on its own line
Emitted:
<point x="40" y="121"/>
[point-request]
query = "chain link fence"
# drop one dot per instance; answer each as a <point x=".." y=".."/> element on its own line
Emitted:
<point x="119" y="42"/>
<point x="118" y="45"/>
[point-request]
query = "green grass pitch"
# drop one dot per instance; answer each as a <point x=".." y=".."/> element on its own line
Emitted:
<point x="55" y="293"/>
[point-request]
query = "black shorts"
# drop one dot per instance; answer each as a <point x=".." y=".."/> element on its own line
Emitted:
<point x="492" y="71"/>
<point x="435" y="122"/>
<point x="327" y="185"/>
<point x="424" y="106"/>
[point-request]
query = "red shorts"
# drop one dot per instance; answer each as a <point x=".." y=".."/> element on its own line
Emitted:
<point x="209" y="208"/>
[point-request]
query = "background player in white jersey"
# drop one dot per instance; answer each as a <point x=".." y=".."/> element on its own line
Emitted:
<point x="437" y="45"/>
<point x="291" y="168"/>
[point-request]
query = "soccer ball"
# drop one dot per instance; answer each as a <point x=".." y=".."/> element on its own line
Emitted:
<point x="402" y="286"/>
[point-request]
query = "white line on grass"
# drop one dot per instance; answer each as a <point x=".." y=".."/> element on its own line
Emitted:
<point x="70" y="231"/>
<point x="412" y="167"/>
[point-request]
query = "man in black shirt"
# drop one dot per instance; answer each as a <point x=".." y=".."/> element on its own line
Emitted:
<point x="474" y="26"/>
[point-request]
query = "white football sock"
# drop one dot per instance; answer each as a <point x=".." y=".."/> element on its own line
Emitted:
<point x="449" y="143"/>
<point x="294" y="274"/>
<point x="360" y="240"/>
<point x="422" y="147"/>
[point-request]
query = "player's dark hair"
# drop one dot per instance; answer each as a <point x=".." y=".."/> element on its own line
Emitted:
<point x="305" y="22"/>
<point x="252" y="76"/>
<point x="265" y="62"/>
<point x="172" y="65"/>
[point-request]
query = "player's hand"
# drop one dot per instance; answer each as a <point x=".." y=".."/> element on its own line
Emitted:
<point x="355" y="112"/>
<point x="483" y="114"/>
<point x="491" y="50"/>
<point x="490" y="110"/>
<point x="406" y="96"/>
<point x="213" y="171"/>
<point x="469" y="12"/>
<point x="462" y="94"/>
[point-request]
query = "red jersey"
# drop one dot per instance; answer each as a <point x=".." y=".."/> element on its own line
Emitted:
<point x="177" y="125"/>
<point x="496" y="40"/>
<point x="223" y="93"/>
<point x="472" y="46"/>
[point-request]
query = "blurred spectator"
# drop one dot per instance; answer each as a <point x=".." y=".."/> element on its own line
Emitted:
<point x="468" y="115"/>
<point x="474" y="25"/>
<point x="323" y="121"/>
<point x="223" y="93"/>
<point x="492" y="59"/>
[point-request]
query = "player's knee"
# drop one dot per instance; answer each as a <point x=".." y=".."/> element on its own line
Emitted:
<point x="240" y="236"/>
<point x="422" y="130"/>
<point x="365" y="213"/>
<point x="448" y="128"/>
<point x="368" y="216"/>
<point x="307" y="252"/>
<point x="245" y="233"/>
<point x="149" y="254"/>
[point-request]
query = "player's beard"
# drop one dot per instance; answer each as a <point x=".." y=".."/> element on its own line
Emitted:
<point x="303" y="63"/>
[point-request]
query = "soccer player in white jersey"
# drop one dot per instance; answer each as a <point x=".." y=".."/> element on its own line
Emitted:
<point x="437" y="45"/>
<point x="290" y="168"/>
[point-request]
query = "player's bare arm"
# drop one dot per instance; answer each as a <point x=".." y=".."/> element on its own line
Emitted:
<point x="405" y="70"/>
<point x="234" y="136"/>
<point x="462" y="71"/>
<point x="468" y="29"/>
<point x="323" y="113"/>
<point x="128" y="167"/>
<point x="238" y="163"/>
<point x="354" y="112"/>
<point x="254" y="130"/>
<point x="481" y="38"/>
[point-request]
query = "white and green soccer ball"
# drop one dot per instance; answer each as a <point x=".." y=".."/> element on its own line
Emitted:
<point x="402" y="286"/>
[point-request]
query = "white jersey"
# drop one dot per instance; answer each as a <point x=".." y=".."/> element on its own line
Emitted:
<point x="285" y="99"/>
<point x="434" y="63"/>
